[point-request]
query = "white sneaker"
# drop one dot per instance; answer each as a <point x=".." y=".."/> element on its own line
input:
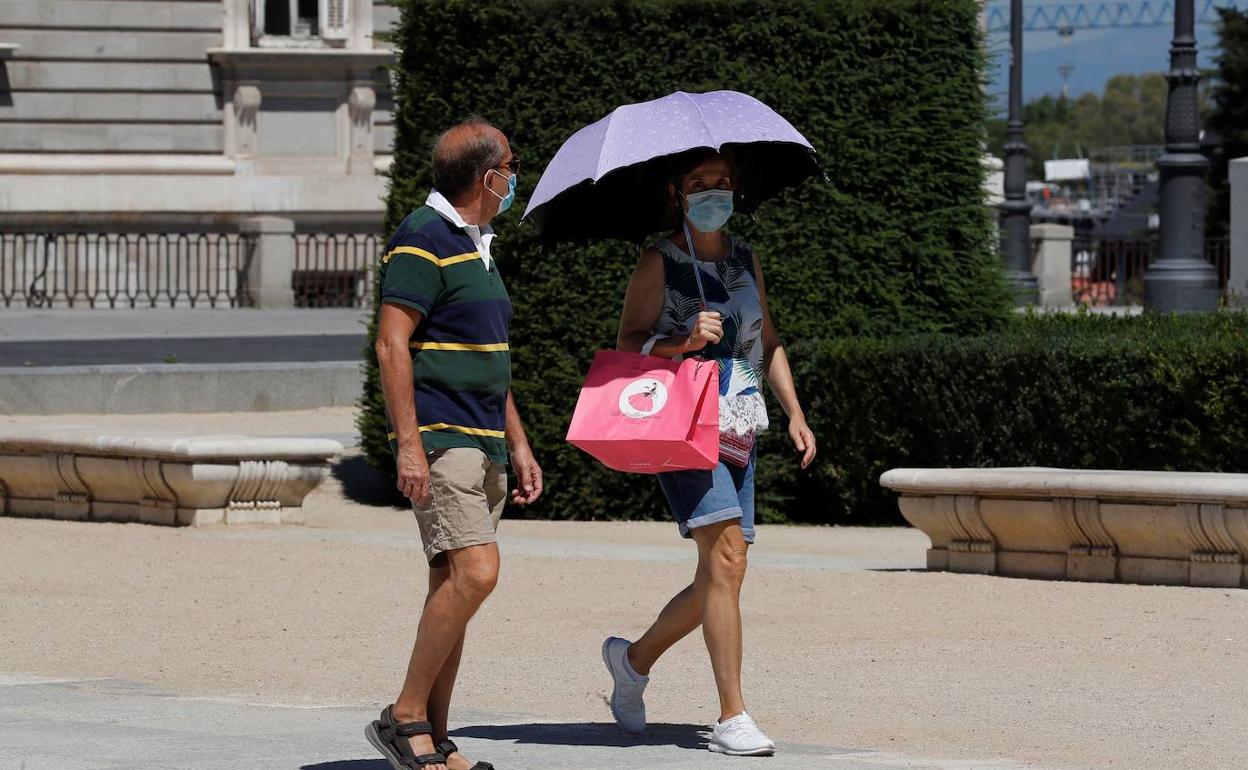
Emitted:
<point x="627" y="706"/>
<point x="740" y="737"/>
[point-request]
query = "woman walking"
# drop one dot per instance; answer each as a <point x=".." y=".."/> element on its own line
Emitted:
<point x="700" y="292"/>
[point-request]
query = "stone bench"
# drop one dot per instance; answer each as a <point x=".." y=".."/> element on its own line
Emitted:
<point x="159" y="478"/>
<point x="1128" y="526"/>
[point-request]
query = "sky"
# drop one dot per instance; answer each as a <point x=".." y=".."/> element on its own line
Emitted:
<point x="1095" y="54"/>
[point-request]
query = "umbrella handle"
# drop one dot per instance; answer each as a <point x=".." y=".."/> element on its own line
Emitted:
<point x="697" y="273"/>
<point x="697" y="277"/>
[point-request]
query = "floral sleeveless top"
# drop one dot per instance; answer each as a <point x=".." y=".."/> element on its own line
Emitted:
<point x="731" y="289"/>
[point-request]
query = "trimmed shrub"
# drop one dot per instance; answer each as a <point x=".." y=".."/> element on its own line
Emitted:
<point x="888" y="91"/>
<point x="1149" y="393"/>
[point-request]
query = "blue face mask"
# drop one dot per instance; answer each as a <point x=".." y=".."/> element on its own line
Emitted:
<point x="504" y="200"/>
<point x="710" y="209"/>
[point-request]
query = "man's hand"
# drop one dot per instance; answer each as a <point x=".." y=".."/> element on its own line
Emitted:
<point x="413" y="469"/>
<point x="528" y="476"/>
<point x="803" y="439"/>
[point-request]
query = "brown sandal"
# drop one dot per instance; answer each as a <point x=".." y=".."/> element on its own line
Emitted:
<point x="448" y="748"/>
<point x="389" y="737"/>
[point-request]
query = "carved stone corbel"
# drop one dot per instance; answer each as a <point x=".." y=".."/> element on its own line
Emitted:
<point x="256" y="496"/>
<point x="247" y="98"/>
<point x="73" y="498"/>
<point x="1092" y="554"/>
<point x="361" y="102"/>
<point x="1215" y="558"/>
<point x="972" y="548"/>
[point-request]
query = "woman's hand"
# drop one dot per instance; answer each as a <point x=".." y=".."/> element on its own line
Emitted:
<point x="803" y="439"/>
<point x="708" y="329"/>
<point x="413" y="471"/>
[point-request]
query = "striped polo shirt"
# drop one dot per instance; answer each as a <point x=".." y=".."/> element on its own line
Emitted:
<point x="461" y="359"/>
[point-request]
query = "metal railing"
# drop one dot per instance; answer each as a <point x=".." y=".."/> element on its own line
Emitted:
<point x="334" y="270"/>
<point x="50" y="270"/>
<point x="1111" y="271"/>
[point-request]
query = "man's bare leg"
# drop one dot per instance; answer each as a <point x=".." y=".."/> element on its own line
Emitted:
<point x="471" y="574"/>
<point x="440" y="696"/>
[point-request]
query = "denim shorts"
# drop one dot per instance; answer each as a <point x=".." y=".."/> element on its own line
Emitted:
<point x="699" y="498"/>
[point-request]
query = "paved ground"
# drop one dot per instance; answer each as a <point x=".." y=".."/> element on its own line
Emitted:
<point x="184" y="350"/>
<point x="268" y="648"/>
<point x="97" y="724"/>
<point x="85" y="324"/>
<point x="337" y="423"/>
<point x="36" y="338"/>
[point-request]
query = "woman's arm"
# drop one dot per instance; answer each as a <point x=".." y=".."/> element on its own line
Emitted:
<point x="780" y="376"/>
<point x="643" y="303"/>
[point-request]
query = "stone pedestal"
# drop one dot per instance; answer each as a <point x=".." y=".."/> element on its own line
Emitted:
<point x="272" y="263"/>
<point x="1106" y="526"/>
<point x="159" y="478"/>
<point x="994" y="182"/>
<point x="1237" y="286"/>
<point x="1050" y="262"/>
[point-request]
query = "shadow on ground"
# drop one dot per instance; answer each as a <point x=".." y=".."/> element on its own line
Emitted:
<point x="606" y="734"/>
<point x="364" y="484"/>
<point x="588" y="734"/>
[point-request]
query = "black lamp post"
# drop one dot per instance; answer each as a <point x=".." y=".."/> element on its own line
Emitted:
<point x="1016" y="210"/>
<point x="1181" y="280"/>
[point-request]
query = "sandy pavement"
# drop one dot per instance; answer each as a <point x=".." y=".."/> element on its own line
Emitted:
<point x="847" y="643"/>
<point x="932" y="664"/>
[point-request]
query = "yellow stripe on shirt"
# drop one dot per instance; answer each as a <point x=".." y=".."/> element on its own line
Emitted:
<point x="435" y="259"/>
<point x="455" y="260"/>
<point x="491" y="347"/>
<point x="461" y="429"/>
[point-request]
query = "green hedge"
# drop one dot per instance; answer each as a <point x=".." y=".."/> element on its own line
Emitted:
<point x="1150" y="393"/>
<point x="888" y="91"/>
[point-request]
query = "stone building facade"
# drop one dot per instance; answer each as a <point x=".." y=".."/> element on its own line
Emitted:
<point x="193" y="115"/>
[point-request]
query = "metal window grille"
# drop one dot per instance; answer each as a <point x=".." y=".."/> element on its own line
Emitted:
<point x="334" y="270"/>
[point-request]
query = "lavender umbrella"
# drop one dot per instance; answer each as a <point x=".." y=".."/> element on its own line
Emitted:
<point x="609" y="179"/>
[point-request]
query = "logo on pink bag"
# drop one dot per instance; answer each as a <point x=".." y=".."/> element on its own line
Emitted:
<point x="643" y="398"/>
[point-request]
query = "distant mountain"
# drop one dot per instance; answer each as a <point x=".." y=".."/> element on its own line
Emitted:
<point x="1095" y="54"/>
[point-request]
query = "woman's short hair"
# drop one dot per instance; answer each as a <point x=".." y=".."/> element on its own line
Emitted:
<point x="681" y="164"/>
<point x="463" y="154"/>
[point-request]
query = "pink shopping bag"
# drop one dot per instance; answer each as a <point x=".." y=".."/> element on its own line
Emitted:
<point x="642" y="414"/>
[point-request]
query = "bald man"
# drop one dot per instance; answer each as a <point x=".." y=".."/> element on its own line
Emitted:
<point x="445" y="362"/>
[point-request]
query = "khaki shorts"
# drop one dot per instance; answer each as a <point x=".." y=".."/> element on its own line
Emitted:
<point x="467" y="493"/>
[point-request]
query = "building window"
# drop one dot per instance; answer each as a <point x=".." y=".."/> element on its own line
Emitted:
<point x="284" y="23"/>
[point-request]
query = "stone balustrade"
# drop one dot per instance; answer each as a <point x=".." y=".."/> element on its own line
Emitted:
<point x="168" y="479"/>
<point x="1125" y="526"/>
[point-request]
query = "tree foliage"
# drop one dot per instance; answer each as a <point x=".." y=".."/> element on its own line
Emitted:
<point x="888" y="91"/>
<point x="1229" y="115"/>
<point x="1132" y="110"/>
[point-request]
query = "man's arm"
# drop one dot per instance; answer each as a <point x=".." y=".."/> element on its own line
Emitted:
<point x="528" y="473"/>
<point x="394" y="360"/>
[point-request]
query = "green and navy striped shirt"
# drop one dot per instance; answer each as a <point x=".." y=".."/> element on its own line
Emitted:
<point x="461" y="359"/>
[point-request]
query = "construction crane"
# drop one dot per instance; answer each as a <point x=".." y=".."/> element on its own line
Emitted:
<point x="1073" y="16"/>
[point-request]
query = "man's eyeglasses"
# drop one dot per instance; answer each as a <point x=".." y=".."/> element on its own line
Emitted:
<point x="512" y="165"/>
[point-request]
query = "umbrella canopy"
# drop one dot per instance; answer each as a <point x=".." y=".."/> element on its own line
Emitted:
<point x="609" y="179"/>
